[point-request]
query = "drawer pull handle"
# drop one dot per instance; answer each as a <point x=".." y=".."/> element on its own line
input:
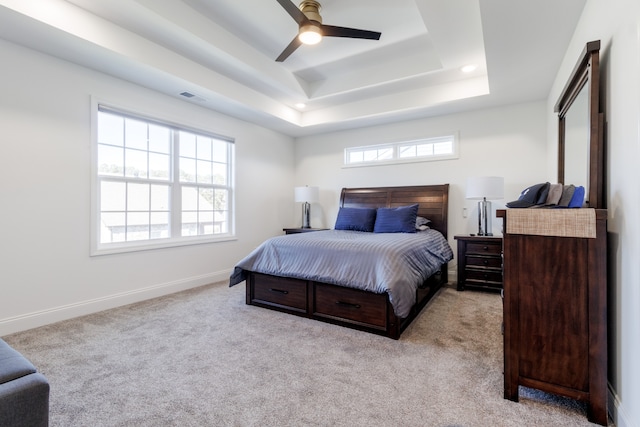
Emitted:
<point x="486" y="262"/>
<point x="279" y="291"/>
<point x="347" y="304"/>
<point x="486" y="248"/>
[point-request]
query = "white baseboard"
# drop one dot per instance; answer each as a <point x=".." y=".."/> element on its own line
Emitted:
<point x="56" y="314"/>
<point x="617" y="412"/>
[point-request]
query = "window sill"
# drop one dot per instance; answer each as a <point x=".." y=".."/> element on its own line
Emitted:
<point x="118" y="248"/>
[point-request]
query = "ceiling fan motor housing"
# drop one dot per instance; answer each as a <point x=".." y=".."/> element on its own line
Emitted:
<point x="311" y="10"/>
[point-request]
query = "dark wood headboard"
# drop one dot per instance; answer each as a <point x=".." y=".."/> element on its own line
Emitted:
<point x="433" y="200"/>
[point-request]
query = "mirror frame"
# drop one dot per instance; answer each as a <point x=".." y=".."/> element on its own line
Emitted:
<point x="586" y="74"/>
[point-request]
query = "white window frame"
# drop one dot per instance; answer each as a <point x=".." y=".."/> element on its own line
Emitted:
<point x="175" y="206"/>
<point x="395" y="156"/>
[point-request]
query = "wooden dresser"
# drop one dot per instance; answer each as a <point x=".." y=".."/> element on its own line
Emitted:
<point x="555" y="304"/>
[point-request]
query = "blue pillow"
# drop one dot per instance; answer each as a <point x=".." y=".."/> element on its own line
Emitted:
<point x="396" y="220"/>
<point x="357" y="219"/>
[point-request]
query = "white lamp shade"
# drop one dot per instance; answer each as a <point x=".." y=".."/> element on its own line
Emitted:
<point x="489" y="187"/>
<point x="306" y="194"/>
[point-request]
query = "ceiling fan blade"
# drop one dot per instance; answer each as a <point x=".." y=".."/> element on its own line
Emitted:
<point x="295" y="43"/>
<point x="354" y="33"/>
<point x="294" y="11"/>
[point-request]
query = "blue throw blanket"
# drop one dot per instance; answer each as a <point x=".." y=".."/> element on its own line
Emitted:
<point x="396" y="263"/>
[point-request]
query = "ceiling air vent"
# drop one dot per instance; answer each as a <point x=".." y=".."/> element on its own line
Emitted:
<point x="192" y="96"/>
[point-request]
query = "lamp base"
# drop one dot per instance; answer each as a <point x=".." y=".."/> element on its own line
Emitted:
<point x="306" y="215"/>
<point x="484" y="218"/>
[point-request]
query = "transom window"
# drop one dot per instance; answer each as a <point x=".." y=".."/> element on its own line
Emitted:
<point x="427" y="149"/>
<point x="159" y="184"/>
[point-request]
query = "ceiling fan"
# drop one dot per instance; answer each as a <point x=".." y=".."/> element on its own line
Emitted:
<point x="311" y="30"/>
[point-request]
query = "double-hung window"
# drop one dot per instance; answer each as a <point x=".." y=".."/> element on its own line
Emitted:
<point x="158" y="184"/>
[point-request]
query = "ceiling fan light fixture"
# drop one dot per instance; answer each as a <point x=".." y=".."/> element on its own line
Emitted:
<point x="310" y="34"/>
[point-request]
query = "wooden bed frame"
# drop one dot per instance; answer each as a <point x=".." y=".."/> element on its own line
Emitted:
<point x="349" y="307"/>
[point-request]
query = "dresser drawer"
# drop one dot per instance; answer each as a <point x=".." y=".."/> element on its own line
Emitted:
<point x="483" y="275"/>
<point x="484" y="261"/>
<point x="279" y="291"/>
<point x="351" y="304"/>
<point x="484" y="248"/>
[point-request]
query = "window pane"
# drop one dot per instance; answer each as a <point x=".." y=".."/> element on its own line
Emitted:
<point x="159" y="166"/>
<point x="187" y="145"/>
<point x="356" y="156"/>
<point x="137" y="226"/>
<point x="445" y="147"/>
<point x="204" y="172"/>
<point x="220" y="151"/>
<point x="385" y="154"/>
<point x="160" y="198"/>
<point x="221" y="200"/>
<point x="113" y="196"/>
<point x="159" y="139"/>
<point x="189" y="199"/>
<point x="189" y="223"/>
<point x="135" y="134"/>
<point x="206" y="199"/>
<point x="136" y="163"/>
<point x="110" y="129"/>
<point x="221" y="222"/>
<point x="110" y="160"/>
<point x="205" y="217"/>
<point x="370" y="155"/>
<point x="219" y="174"/>
<point x="425" y="150"/>
<point x="187" y="170"/>
<point x="159" y="225"/>
<point x="407" y="151"/>
<point x="112" y="227"/>
<point x="205" y="223"/>
<point x="138" y="197"/>
<point x="204" y="148"/>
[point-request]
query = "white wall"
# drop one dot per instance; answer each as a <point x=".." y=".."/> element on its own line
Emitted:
<point x="47" y="273"/>
<point x="617" y="24"/>
<point x="508" y="141"/>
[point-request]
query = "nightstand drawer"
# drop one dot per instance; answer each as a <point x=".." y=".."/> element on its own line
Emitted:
<point x="484" y="275"/>
<point x="484" y="261"/>
<point x="484" y="248"/>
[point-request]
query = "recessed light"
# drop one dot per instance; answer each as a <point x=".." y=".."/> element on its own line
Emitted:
<point x="468" y="68"/>
<point x="301" y="105"/>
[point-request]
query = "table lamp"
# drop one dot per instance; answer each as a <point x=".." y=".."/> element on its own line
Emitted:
<point x="485" y="188"/>
<point x="306" y="195"/>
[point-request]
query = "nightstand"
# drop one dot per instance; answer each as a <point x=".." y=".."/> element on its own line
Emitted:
<point x="301" y="230"/>
<point x="479" y="262"/>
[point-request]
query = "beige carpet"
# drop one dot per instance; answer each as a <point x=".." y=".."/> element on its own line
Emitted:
<point x="204" y="358"/>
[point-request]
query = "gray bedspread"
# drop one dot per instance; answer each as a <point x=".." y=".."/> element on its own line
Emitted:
<point x="396" y="263"/>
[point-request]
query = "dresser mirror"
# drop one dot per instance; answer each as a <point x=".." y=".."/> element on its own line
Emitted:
<point x="580" y="128"/>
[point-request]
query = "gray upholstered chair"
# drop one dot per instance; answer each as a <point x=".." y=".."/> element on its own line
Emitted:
<point x="24" y="393"/>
